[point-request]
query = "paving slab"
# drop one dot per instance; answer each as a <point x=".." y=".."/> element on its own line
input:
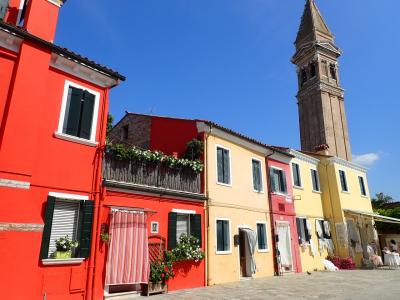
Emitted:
<point x="352" y="285"/>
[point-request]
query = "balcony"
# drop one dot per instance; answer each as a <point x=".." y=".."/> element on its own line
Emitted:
<point x="151" y="177"/>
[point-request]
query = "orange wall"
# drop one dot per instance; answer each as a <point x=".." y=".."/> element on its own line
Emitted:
<point x="187" y="275"/>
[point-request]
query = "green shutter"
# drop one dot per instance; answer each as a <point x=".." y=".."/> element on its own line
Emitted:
<point x="85" y="228"/>
<point x="272" y="180"/>
<point x="284" y="185"/>
<point x="172" y="230"/>
<point x="195" y="227"/>
<point x="85" y="129"/>
<point x="227" y="172"/>
<point x="73" y="111"/>
<point x="48" y="221"/>
<point x="220" y="165"/>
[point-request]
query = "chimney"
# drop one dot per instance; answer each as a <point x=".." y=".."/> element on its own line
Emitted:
<point x="39" y="17"/>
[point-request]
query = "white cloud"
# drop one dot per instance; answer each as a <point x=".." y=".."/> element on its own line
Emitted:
<point x="367" y="159"/>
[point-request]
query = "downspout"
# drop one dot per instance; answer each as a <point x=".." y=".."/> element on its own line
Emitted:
<point x="274" y="243"/>
<point x="96" y="188"/>
<point x="206" y="217"/>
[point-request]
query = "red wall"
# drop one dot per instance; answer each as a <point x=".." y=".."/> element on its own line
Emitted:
<point x="282" y="209"/>
<point x="187" y="274"/>
<point x="171" y="135"/>
<point x="29" y="152"/>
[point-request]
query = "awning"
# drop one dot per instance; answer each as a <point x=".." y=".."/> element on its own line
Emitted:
<point x="376" y="217"/>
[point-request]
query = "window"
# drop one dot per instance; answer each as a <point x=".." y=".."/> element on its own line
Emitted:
<point x="79" y="112"/>
<point x="343" y="181"/>
<point x="223" y="236"/>
<point x="302" y="230"/>
<point x="262" y="236"/>
<point x="125" y="132"/>
<point x="362" y="186"/>
<point x="313" y="71"/>
<point x="303" y="77"/>
<point x="223" y="166"/>
<point x="325" y="229"/>
<point x="315" y="180"/>
<point x="70" y="217"/>
<point x="154" y="227"/>
<point x="179" y="223"/>
<point x="278" y="180"/>
<point x="257" y="175"/>
<point x="296" y="175"/>
<point x="332" y="70"/>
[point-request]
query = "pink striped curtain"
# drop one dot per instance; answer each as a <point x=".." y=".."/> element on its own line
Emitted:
<point x="128" y="256"/>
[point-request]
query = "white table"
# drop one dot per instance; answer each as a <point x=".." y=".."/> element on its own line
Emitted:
<point x="391" y="259"/>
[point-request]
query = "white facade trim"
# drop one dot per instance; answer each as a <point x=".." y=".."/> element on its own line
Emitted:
<point x="9" y="41"/>
<point x="67" y="261"/>
<point x="68" y="196"/>
<point x="266" y="234"/>
<point x="345" y="163"/>
<point x="261" y="175"/>
<point x="304" y="157"/>
<point x="15" y="184"/>
<point x="184" y="211"/>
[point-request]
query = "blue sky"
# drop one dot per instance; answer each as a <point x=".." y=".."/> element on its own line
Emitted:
<point x="229" y="61"/>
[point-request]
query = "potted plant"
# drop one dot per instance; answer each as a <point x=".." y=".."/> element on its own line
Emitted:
<point x="65" y="246"/>
<point x="188" y="248"/>
<point x="160" y="272"/>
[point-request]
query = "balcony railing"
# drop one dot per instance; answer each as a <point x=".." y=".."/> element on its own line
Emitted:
<point x="150" y="174"/>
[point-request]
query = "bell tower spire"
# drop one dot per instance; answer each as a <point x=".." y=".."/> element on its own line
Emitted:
<point x="320" y="97"/>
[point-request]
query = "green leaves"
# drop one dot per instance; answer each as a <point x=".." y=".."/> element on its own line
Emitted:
<point x="136" y="154"/>
<point x="65" y="244"/>
<point x="188" y="248"/>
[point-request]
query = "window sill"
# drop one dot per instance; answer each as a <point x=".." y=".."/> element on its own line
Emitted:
<point x="298" y="187"/>
<point x="345" y="192"/>
<point x="223" y="252"/>
<point x="75" y="139"/>
<point x="67" y="261"/>
<point x="317" y="192"/>
<point x="365" y="196"/>
<point x="279" y="194"/>
<point x="258" y="192"/>
<point x="262" y="250"/>
<point x="224" y="184"/>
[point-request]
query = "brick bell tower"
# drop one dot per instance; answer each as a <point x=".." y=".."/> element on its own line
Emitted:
<point x="320" y="97"/>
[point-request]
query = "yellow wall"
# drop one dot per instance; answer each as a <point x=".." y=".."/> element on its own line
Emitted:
<point x="238" y="203"/>
<point x="308" y="204"/>
<point x="335" y="201"/>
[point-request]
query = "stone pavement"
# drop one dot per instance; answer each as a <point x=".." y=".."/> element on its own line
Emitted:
<point x="359" y="284"/>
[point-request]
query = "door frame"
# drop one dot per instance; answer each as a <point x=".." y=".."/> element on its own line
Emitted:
<point x="286" y="223"/>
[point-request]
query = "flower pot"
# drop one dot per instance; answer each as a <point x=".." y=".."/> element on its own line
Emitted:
<point x="154" y="288"/>
<point x="63" y="254"/>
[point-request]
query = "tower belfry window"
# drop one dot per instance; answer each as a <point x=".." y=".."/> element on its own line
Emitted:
<point x="303" y="76"/>
<point x="332" y="70"/>
<point x="313" y="70"/>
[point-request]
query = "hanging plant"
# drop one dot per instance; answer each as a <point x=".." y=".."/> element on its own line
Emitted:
<point x="135" y="154"/>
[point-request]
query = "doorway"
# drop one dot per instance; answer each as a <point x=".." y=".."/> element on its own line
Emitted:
<point x="247" y="244"/>
<point x="285" y="246"/>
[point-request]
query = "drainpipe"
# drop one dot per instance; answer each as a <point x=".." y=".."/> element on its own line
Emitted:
<point x="96" y="188"/>
<point x="206" y="217"/>
<point x="274" y="243"/>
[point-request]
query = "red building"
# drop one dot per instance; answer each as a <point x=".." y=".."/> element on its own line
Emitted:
<point x="53" y="112"/>
<point x="283" y="214"/>
<point x="170" y="202"/>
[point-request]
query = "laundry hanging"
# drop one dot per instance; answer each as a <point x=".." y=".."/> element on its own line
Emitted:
<point x="128" y="261"/>
<point x="251" y="237"/>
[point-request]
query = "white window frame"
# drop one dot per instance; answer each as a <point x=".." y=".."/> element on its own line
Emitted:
<point x="261" y="175"/>
<point x="280" y="193"/>
<point x="157" y="225"/>
<point x="318" y="181"/>
<point x="59" y="133"/>
<point x="230" y="165"/>
<point x="69" y="261"/>
<point x="301" y="181"/>
<point x="216" y="236"/>
<point x="340" y="182"/>
<point x="365" y="187"/>
<point x="266" y="235"/>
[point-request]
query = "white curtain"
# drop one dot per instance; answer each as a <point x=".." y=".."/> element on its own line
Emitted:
<point x="251" y="237"/>
<point x="284" y="245"/>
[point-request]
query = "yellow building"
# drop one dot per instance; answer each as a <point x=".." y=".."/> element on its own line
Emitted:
<point x="307" y="193"/>
<point x="238" y="206"/>
<point x="347" y="205"/>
